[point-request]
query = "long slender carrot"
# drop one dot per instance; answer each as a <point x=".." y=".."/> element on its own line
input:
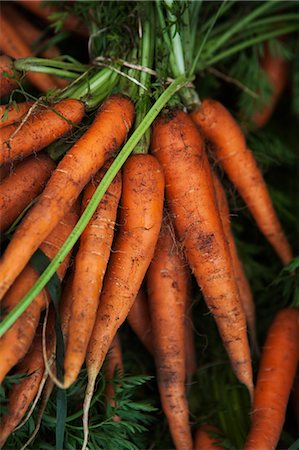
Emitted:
<point x="191" y="363"/>
<point x="114" y="363"/>
<point x="177" y="144"/>
<point x="90" y="267"/>
<point x="18" y="142"/>
<point x="19" y="188"/>
<point x="242" y="282"/>
<point x="204" y="439"/>
<point x="82" y="161"/>
<point x="7" y="83"/>
<point x="140" y="321"/>
<point x="167" y="286"/>
<point x="231" y="151"/>
<point x="15" y="342"/>
<point x="13" y="45"/>
<point x="279" y="360"/>
<point x="13" y="113"/>
<point x="141" y="217"/>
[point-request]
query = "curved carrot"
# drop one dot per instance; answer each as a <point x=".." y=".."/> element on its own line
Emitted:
<point x="230" y="149"/>
<point x="204" y="439"/>
<point x="13" y="113"/>
<point x="279" y="360"/>
<point x="141" y="217"/>
<point x="19" y="188"/>
<point x="13" y="45"/>
<point x="7" y="84"/>
<point x="167" y="286"/>
<point x="90" y="267"/>
<point x="177" y="144"/>
<point x="241" y="279"/>
<point x="17" y="142"/>
<point x="15" y="342"/>
<point x="140" y="321"/>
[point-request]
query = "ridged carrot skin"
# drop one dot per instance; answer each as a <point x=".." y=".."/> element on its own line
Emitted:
<point x="279" y="361"/>
<point x="83" y="160"/>
<point x="12" y="44"/>
<point x="204" y="439"/>
<point x="232" y="153"/>
<point x="33" y="136"/>
<point x="178" y="146"/>
<point x="13" y="113"/>
<point x="6" y="67"/>
<point x="140" y="321"/>
<point x="90" y="267"/>
<point x="19" y="188"/>
<point x="15" y="343"/>
<point x="168" y="289"/>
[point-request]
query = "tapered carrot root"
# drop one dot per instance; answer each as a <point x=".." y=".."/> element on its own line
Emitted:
<point x="7" y="84"/>
<point x="279" y="360"/>
<point x="167" y="285"/>
<point x="13" y="45"/>
<point x="242" y="282"/>
<point x="140" y="321"/>
<point x="15" y="342"/>
<point x="230" y="149"/>
<point x="141" y="216"/>
<point x="13" y="113"/>
<point x="83" y="160"/>
<point x="90" y="267"/>
<point x="19" y="188"/>
<point x="114" y="363"/>
<point x="177" y="144"/>
<point x="205" y="438"/>
<point x="191" y="364"/>
<point x="17" y="142"/>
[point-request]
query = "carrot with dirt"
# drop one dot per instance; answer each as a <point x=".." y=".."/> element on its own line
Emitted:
<point x="90" y="267"/>
<point x="7" y="76"/>
<point x="246" y="297"/>
<point x="168" y="289"/>
<point x="22" y="185"/>
<point x="15" y="342"/>
<point x="82" y="161"/>
<point x="178" y="146"/>
<point x="232" y="153"/>
<point x="276" y="374"/>
<point x="43" y="126"/>
<point x="205" y="438"/>
<point x="10" y="114"/>
<point x="140" y="222"/>
<point x="140" y="321"/>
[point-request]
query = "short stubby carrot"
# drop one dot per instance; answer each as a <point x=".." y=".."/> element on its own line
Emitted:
<point x="7" y="76"/>
<point x="232" y="153"/>
<point x="15" y="342"/>
<point x="82" y="161"/>
<point x="168" y="289"/>
<point x="90" y="267"/>
<point x="13" y="113"/>
<point x="205" y="438"/>
<point x="22" y="185"/>
<point x="140" y="321"/>
<point x="18" y="142"/>
<point x="177" y="144"/>
<point x="279" y="360"/>
<point x="140" y="219"/>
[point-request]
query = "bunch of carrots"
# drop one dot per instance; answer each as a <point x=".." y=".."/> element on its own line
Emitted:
<point x="139" y="190"/>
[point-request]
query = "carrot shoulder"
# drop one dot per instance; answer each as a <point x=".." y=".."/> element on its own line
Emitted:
<point x="177" y="144"/>
<point x="231" y="151"/>
<point x="82" y="161"/>
<point x="279" y="360"/>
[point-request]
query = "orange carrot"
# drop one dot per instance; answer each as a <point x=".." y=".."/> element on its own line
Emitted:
<point x="13" y="113"/>
<point x="7" y="84"/>
<point x="140" y="321"/>
<point x="205" y="438"/>
<point x="22" y="186"/>
<point x="191" y="364"/>
<point x="276" y="375"/>
<point x="230" y="149"/>
<point x="82" y="161"/>
<point x="141" y="216"/>
<point x="15" y="342"/>
<point x="167" y="286"/>
<point x="114" y="363"/>
<point x="90" y="267"/>
<point x="13" y="45"/>
<point x="242" y="282"/>
<point x="177" y="144"/>
<point x="17" y="142"/>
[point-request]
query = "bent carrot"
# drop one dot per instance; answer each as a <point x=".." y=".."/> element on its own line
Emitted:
<point x="141" y="217"/>
<point x="177" y="144"/>
<point x="15" y="342"/>
<point x="90" y="267"/>
<point x="13" y="113"/>
<point x="167" y="287"/>
<point x="279" y="360"/>
<point x="19" y="188"/>
<point x="82" y="161"/>
<point x="17" y="142"/>
<point x="140" y="321"/>
<point x="231" y="151"/>
<point x="204" y="439"/>
<point x="7" y="84"/>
